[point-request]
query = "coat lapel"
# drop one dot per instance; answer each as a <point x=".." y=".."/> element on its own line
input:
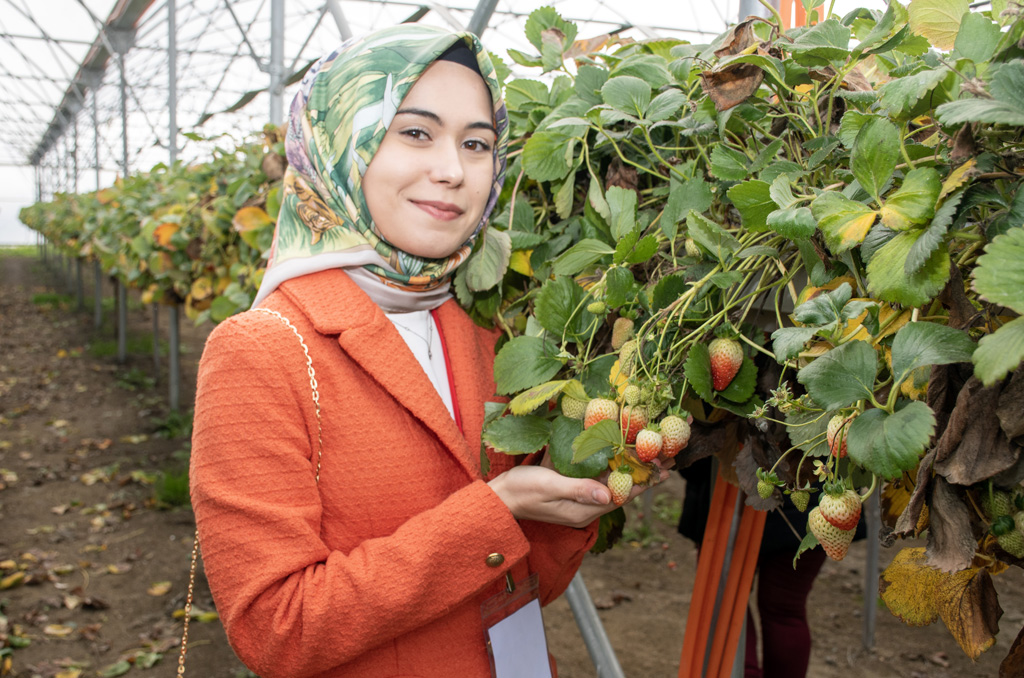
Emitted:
<point x="337" y="306"/>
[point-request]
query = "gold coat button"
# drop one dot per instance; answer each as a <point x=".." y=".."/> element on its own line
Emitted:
<point x="495" y="560"/>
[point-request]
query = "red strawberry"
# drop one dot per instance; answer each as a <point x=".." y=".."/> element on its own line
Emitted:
<point x="633" y="418"/>
<point x="573" y="408"/>
<point x="648" y="444"/>
<point x="622" y="331"/>
<point x="599" y="409"/>
<point x="620" y="482"/>
<point x="675" y="434"/>
<point x="838" y="428"/>
<point x="841" y="509"/>
<point x="836" y="542"/>
<point x="726" y="358"/>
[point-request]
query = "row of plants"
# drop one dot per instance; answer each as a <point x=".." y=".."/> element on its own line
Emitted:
<point x="799" y="250"/>
<point x="189" y="234"/>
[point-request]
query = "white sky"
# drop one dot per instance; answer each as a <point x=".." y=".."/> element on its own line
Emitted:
<point x="71" y="21"/>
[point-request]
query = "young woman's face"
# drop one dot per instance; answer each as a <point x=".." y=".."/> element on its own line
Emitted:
<point x="429" y="181"/>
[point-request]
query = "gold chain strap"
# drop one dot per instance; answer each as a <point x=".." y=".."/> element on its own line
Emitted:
<point x="319" y="459"/>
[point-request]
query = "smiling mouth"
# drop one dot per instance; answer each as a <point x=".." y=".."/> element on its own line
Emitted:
<point x="444" y="211"/>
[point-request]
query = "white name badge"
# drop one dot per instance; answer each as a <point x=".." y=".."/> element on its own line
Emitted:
<point x="516" y="641"/>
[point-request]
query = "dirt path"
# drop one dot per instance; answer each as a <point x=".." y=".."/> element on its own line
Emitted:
<point x="93" y="566"/>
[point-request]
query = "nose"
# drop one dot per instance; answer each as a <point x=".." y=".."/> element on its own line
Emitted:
<point x="446" y="164"/>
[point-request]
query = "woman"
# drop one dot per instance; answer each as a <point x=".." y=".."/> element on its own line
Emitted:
<point x="373" y="558"/>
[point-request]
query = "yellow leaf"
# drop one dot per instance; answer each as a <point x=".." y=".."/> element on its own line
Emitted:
<point x="969" y="606"/>
<point x="201" y="288"/>
<point x="895" y="497"/>
<point x="12" y="580"/>
<point x="8" y="565"/>
<point x="160" y="588"/>
<point x="529" y="400"/>
<point x="106" y="196"/>
<point x="58" y="630"/>
<point x="937" y="20"/>
<point x="956" y="178"/>
<point x="251" y="219"/>
<point x="520" y="262"/>
<point x="915" y="386"/>
<point x="163" y="233"/>
<point x="618" y="380"/>
<point x="908" y="588"/>
<point x="640" y="471"/>
<point x="69" y="673"/>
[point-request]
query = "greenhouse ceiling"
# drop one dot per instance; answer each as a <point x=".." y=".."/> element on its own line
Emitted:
<point x="61" y="66"/>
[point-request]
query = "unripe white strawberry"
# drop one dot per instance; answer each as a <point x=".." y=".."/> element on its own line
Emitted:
<point x="836" y="542"/>
<point x="599" y="409"/>
<point x="620" y="482"/>
<point x="675" y="435"/>
<point x="841" y="509"/>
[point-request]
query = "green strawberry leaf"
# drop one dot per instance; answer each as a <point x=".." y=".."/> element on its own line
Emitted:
<point x="579" y="256"/>
<point x="532" y="398"/>
<point x="544" y="153"/>
<point x="875" y="153"/>
<point x="518" y="435"/>
<point x="697" y="370"/>
<point x="842" y="376"/>
<point x="925" y="343"/>
<point x="787" y="342"/>
<point x="712" y="237"/>
<point x="806" y="544"/>
<point x="595" y="375"/>
<point x="487" y="265"/>
<point x="933" y="236"/>
<point x="622" y="203"/>
<point x="754" y="202"/>
<point x="627" y="94"/>
<point x="599" y="438"/>
<point x="977" y="38"/>
<point x="728" y="163"/>
<point x="887" y="445"/>
<point x="823" y="42"/>
<point x="563" y="432"/>
<point x="913" y="202"/>
<point x="692" y="194"/>
<point x="1000" y="353"/>
<point x="561" y="308"/>
<point x="668" y="289"/>
<point x="524" y="362"/>
<point x="806" y="431"/>
<point x="793" y="222"/>
<point x="999" y="276"/>
<point x="842" y="221"/>
<point x="825" y="308"/>
<point x="887" y="277"/>
<point x="901" y="95"/>
<point x="620" y="287"/>
<point x="742" y="385"/>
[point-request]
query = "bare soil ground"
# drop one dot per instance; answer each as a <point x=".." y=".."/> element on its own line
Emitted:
<point x="94" y="560"/>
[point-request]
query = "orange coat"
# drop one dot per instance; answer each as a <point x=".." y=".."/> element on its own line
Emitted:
<point x="381" y="569"/>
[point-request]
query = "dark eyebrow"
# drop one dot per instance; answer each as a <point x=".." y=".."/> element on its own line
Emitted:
<point x="436" y="118"/>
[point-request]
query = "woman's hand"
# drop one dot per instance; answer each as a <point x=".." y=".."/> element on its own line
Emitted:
<point x="541" y="493"/>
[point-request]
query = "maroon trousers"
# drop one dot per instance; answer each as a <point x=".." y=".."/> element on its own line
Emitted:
<point x="782" y="605"/>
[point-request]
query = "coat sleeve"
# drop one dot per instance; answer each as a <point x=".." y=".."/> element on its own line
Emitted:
<point x="290" y="605"/>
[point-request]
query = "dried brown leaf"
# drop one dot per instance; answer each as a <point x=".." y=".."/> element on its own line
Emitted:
<point x="964" y="147"/>
<point x="748" y="460"/>
<point x="895" y="498"/>
<point x="1013" y="664"/>
<point x="740" y="37"/>
<point x="910" y="520"/>
<point x="969" y="606"/>
<point x="951" y="541"/>
<point x="732" y="84"/>
<point x="622" y="175"/>
<point x="1011" y="405"/>
<point x="973" y="447"/>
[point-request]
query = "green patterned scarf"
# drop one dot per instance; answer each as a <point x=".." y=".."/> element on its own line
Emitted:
<point x="337" y="122"/>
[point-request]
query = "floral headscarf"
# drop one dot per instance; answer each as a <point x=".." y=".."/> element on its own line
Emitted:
<point x="337" y="122"/>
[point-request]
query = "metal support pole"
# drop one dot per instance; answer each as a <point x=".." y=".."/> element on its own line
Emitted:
<point x="873" y="523"/>
<point x="97" y="318"/>
<point x="124" y="115"/>
<point x="339" y="18"/>
<point x="594" y="636"/>
<point x="482" y="16"/>
<point x="79" y="287"/>
<point x="754" y="8"/>
<point x="156" y="341"/>
<point x="277" y="74"/>
<point x="173" y="358"/>
<point x="122" y="321"/>
<point x="172" y="81"/>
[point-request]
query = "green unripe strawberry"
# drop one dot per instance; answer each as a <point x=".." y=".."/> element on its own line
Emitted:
<point x="631" y="394"/>
<point x="627" y="357"/>
<point x="573" y="408"/>
<point x="597" y="307"/>
<point x="620" y="482"/>
<point x="692" y="250"/>
<point x="836" y="542"/>
<point x="764" y="488"/>
<point x="1018" y="520"/>
<point x="622" y="331"/>
<point x="800" y="499"/>
<point x="1012" y="542"/>
<point x="996" y="503"/>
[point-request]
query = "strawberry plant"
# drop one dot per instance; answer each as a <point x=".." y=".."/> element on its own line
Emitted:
<point x="804" y="242"/>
